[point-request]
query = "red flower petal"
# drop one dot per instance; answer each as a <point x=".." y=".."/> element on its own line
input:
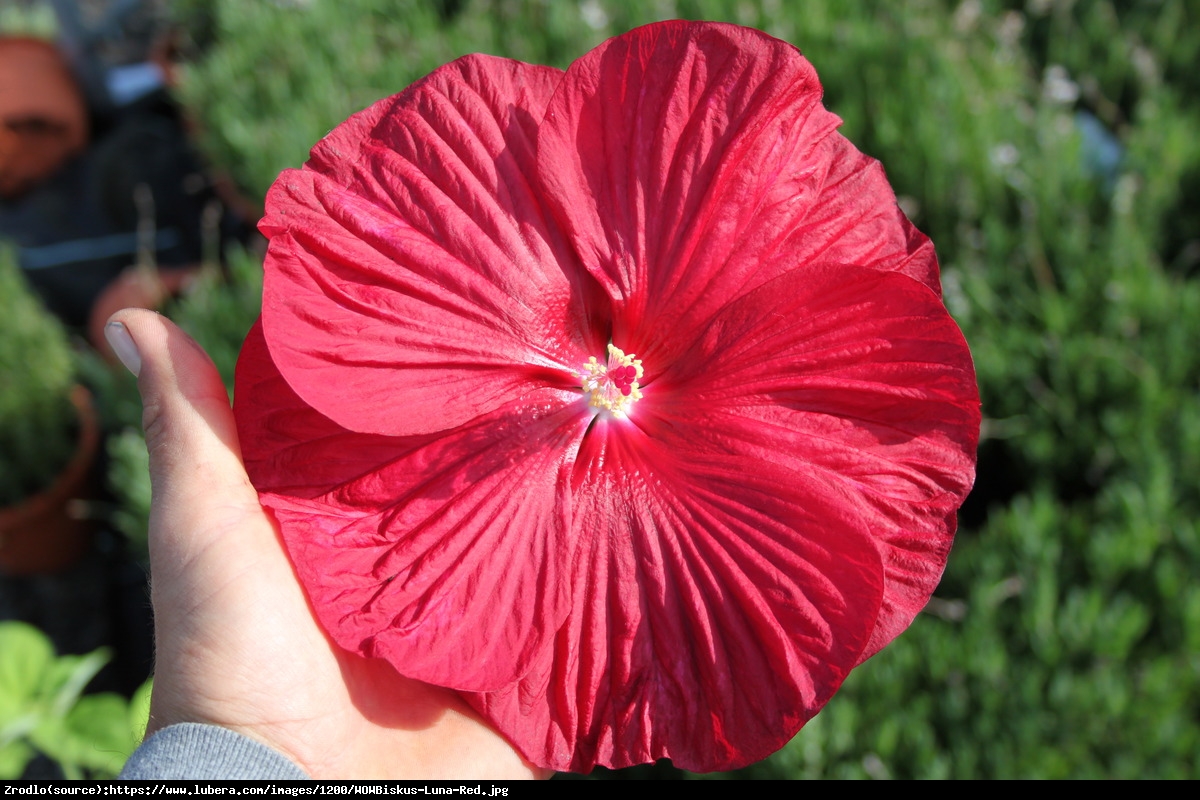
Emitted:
<point x="290" y="448"/>
<point x="854" y="219"/>
<point x="415" y="222"/>
<point x="722" y="603"/>
<point x="414" y="542"/>
<point x="859" y="376"/>
<point x="683" y="159"/>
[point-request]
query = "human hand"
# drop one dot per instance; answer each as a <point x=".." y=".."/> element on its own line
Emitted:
<point x="236" y="641"/>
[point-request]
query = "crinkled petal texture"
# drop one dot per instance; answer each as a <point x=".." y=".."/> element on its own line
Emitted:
<point x="696" y="580"/>
<point x="408" y="545"/>
<point x="414" y="283"/>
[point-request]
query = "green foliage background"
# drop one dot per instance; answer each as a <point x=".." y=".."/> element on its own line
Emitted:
<point x="1065" y="638"/>
<point x="43" y="709"/>
<point x="37" y="420"/>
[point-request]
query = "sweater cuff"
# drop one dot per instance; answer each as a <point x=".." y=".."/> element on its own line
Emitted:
<point x="193" y="751"/>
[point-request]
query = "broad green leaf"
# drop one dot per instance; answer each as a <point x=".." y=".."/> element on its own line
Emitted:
<point x="25" y="656"/>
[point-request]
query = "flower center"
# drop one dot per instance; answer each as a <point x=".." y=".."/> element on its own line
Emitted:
<point x="613" y="386"/>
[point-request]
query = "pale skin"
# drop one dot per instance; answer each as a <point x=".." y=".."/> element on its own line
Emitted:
<point x="236" y="641"/>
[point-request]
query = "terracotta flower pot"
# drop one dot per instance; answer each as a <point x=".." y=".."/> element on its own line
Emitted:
<point x="46" y="532"/>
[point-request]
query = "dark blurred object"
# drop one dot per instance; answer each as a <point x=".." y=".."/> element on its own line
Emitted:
<point x="448" y="9"/>
<point x="114" y="47"/>
<point x="137" y="195"/>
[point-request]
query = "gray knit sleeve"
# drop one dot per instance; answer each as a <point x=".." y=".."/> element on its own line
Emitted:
<point x="193" y="751"/>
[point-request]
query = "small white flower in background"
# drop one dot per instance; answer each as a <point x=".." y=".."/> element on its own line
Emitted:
<point x="1009" y="31"/>
<point x="1145" y="64"/>
<point x="593" y="14"/>
<point x="1057" y="86"/>
<point x="1004" y="155"/>
<point x="967" y="15"/>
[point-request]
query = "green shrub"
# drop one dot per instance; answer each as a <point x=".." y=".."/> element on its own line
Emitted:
<point x="38" y="423"/>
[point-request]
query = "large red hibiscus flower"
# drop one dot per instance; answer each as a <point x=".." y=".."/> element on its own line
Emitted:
<point x="621" y="400"/>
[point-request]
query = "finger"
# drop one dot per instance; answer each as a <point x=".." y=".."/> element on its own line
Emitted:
<point x="199" y="485"/>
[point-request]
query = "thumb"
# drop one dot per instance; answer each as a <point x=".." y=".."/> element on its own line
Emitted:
<point x="199" y="486"/>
